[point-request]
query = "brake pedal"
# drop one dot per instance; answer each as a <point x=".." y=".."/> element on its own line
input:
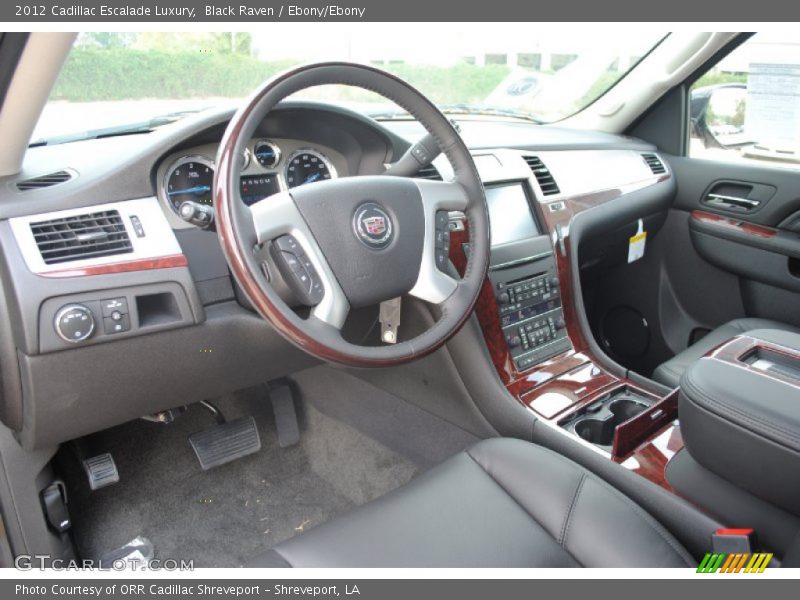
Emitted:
<point x="101" y="471"/>
<point x="285" y="415"/>
<point x="225" y="442"/>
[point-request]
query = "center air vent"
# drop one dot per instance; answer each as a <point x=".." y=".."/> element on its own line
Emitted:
<point x="82" y="236"/>
<point x="546" y="181"/>
<point x="428" y="172"/>
<point x="44" y="181"/>
<point x="655" y="164"/>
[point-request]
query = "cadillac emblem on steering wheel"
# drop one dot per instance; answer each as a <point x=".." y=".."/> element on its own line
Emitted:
<point x="373" y="226"/>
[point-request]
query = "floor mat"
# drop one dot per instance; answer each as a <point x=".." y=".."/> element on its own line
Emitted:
<point x="421" y="437"/>
<point x="224" y="516"/>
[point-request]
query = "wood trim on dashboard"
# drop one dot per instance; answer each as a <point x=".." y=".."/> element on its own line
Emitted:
<point x="145" y="264"/>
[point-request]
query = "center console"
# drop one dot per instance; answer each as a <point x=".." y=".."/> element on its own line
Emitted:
<point x="740" y="418"/>
<point x="528" y="315"/>
<point x="740" y="415"/>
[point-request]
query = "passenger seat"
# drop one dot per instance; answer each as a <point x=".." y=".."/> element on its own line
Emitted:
<point x="669" y="373"/>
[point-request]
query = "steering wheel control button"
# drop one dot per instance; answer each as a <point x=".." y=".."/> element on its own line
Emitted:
<point x="289" y="244"/>
<point x="292" y="261"/>
<point x="297" y="270"/>
<point x="441" y="259"/>
<point x="74" y="323"/>
<point x="442" y="240"/>
<point x="114" y="305"/>
<point x="423" y="155"/>
<point x="116" y="323"/>
<point x="373" y="226"/>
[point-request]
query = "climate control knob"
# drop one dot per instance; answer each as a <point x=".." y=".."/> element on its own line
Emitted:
<point x="74" y="323"/>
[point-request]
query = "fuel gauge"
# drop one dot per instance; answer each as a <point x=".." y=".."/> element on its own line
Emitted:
<point x="267" y="154"/>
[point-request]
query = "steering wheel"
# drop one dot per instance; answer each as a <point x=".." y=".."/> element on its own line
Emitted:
<point x="360" y="240"/>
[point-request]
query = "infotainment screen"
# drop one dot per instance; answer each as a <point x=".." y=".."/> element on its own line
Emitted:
<point x="510" y="214"/>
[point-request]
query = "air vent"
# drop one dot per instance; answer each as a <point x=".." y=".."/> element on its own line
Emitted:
<point x="44" y="181"/>
<point x="655" y="164"/>
<point x="82" y="236"/>
<point x="543" y="175"/>
<point x="428" y="172"/>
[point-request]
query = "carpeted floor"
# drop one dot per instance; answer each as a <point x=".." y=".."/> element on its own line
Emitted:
<point x="358" y="443"/>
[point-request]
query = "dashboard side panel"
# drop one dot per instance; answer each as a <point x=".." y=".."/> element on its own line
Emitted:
<point x="87" y="389"/>
<point x="26" y="292"/>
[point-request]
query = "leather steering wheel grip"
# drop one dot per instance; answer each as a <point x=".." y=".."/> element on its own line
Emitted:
<point x="241" y="228"/>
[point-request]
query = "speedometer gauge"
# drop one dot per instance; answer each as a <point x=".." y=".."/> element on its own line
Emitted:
<point x="189" y="178"/>
<point x="307" y="166"/>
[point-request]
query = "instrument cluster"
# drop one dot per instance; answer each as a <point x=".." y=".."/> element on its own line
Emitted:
<point x="268" y="167"/>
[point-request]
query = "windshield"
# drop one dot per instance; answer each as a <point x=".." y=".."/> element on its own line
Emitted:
<point x="115" y="83"/>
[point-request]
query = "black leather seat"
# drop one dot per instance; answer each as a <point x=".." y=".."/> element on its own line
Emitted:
<point x="670" y="372"/>
<point x="502" y="503"/>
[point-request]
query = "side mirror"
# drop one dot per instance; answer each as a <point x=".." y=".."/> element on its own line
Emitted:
<point x="717" y="114"/>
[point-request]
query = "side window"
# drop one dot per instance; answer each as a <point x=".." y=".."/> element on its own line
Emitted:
<point x="747" y="107"/>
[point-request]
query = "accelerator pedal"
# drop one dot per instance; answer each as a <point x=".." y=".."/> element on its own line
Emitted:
<point x="101" y="470"/>
<point x="225" y="442"/>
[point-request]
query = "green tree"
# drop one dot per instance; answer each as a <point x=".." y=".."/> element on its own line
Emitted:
<point x="231" y="42"/>
<point x="106" y="39"/>
<point x="206" y="43"/>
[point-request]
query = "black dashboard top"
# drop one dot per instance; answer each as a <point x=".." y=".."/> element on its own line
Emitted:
<point x="121" y="168"/>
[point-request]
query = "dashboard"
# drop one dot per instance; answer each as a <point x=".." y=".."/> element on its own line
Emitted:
<point x="95" y="255"/>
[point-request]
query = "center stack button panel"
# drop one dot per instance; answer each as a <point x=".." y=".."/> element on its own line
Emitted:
<point x="529" y="306"/>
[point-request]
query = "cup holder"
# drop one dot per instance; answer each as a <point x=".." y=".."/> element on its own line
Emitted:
<point x="599" y="429"/>
<point x="596" y="431"/>
<point x="625" y="409"/>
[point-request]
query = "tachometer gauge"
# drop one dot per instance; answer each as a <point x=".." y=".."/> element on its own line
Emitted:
<point x="189" y="178"/>
<point x="307" y="166"/>
<point x="267" y="154"/>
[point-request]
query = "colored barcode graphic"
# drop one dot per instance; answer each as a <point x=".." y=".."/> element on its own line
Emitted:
<point x="735" y="563"/>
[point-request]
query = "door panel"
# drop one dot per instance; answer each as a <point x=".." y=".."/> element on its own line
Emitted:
<point x="745" y="220"/>
<point x="697" y="176"/>
<point x="710" y="263"/>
